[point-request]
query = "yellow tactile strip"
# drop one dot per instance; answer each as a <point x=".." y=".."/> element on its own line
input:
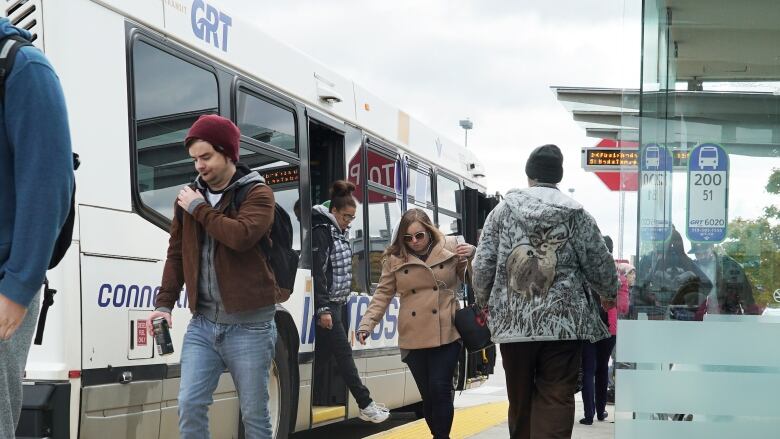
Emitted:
<point x="468" y="422"/>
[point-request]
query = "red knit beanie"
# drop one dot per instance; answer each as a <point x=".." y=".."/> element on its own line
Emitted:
<point x="221" y="133"/>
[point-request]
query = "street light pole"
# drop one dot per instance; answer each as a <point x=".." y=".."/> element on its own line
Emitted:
<point x="466" y="124"/>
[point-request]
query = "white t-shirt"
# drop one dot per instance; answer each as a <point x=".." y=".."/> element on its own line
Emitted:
<point x="213" y="198"/>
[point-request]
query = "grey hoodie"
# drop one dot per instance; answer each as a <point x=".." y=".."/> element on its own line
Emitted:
<point x="538" y="252"/>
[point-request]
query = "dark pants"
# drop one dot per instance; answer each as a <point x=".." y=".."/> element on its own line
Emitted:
<point x="333" y="342"/>
<point x="541" y="378"/>
<point x="595" y="370"/>
<point x="432" y="370"/>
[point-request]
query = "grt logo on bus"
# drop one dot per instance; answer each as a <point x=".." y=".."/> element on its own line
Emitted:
<point x="206" y="22"/>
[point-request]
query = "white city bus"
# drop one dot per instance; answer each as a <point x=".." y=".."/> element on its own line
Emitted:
<point x="136" y="74"/>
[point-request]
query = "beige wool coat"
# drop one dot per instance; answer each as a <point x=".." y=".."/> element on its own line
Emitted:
<point x="427" y="292"/>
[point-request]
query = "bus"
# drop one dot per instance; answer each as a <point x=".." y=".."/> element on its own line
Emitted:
<point x="136" y="74"/>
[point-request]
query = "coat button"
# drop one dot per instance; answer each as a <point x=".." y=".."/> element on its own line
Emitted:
<point x="441" y="266"/>
<point x="434" y="311"/>
<point x="435" y="288"/>
<point x="414" y="292"/>
<point x="406" y="271"/>
<point x="414" y="313"/>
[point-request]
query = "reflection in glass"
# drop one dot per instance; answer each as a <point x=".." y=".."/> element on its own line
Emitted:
<point x="382" y="218"/>
<point x="449" y="225"/>
<point x="447" y="192"/>
<point x="266" y="122"/>
<point x="355" y="234"/>
<point x="169" y="95"/>
<point x="420" y="186"/>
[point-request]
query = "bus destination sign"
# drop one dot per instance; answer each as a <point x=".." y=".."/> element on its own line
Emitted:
<point x="610" y="159"/>
<point x="287" y="174"/>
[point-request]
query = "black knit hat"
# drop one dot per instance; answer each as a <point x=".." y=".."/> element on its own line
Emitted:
<point x="545" y="164"/>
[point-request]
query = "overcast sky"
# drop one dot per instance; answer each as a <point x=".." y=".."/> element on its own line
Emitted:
<point x="492" y="61"/>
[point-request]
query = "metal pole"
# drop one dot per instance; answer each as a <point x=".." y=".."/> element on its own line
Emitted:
<point x="622" y="221"/>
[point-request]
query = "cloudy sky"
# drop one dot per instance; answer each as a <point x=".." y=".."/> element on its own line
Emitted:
<point x="492" y="61"/>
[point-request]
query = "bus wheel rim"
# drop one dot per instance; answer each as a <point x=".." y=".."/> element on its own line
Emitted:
<point x="274" y="398"/>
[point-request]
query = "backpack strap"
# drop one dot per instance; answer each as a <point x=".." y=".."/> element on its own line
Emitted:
<point x="238" y="198"/>
<point x="241" y="193"/>
<point x="8" y="48"/>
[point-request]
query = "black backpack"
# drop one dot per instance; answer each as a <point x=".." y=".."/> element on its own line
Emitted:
<point x="278" y="250"/>
<point x="8" y="48"/>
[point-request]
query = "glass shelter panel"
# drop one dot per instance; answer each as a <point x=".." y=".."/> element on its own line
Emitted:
<point x="707" y="264"/>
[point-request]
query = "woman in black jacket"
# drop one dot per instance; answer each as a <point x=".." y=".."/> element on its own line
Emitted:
<point x="332" y="273"/>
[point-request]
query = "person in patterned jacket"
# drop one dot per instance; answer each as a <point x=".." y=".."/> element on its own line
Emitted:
<point x="539" y="252"/>
<point x="332" y="273"/>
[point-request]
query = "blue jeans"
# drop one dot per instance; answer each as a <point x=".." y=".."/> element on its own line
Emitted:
<point x="246" y="351"/>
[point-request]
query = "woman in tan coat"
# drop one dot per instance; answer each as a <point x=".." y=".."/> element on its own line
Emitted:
<point x="426" y="270"/>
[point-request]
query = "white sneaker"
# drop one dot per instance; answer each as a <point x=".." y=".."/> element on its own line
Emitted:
<point x="375" y="413"/>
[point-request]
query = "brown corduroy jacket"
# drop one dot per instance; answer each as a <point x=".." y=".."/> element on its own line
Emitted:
<point x="245" y="279"/>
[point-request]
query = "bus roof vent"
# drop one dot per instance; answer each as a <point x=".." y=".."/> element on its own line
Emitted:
<point x="26" y="14"/>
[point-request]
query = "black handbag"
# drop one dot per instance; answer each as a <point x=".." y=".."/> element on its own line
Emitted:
<point x="471" y="323"/>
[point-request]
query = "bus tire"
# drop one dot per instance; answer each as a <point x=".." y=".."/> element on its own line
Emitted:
<point x="279" y="391"/>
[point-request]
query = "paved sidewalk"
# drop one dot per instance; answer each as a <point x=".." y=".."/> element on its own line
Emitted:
<point x="494" y="390"/>
<point x="599" y="430"/>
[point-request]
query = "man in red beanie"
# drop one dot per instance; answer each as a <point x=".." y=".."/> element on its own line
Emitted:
<point x="230" y="289"/>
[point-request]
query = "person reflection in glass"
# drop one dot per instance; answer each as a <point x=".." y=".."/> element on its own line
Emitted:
<point x="668" y="276"/>
<point x="733" y="292"/>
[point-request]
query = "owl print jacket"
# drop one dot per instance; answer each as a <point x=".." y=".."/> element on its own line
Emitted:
<point x="539" y="253"/>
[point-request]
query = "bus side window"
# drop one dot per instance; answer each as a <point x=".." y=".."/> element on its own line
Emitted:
<point x="169" y="95"/>
<point x="284" y="178"/>
<point x="448" y="196"/>
<point x="383" y="214"/>
<point x="420" y="195"/>
<point x="266" y="122"/>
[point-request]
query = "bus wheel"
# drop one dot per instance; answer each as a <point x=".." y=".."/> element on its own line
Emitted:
<point x="279" y="391"/>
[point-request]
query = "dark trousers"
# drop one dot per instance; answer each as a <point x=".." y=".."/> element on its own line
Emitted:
<point x="541" y="378"/>
<point x="333" y="342"/>
<point x="432" y="370"/>
<point x="595" y="371"/>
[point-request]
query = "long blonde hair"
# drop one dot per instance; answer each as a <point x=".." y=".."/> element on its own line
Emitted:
<point x="398" y="247"/>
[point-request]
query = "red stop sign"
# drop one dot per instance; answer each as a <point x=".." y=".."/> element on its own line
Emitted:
<point x="616" y="180"/>
<point x="380" y="170"/>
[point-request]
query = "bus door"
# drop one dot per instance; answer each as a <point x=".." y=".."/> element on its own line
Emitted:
<point x="475" y="366"/>
<point x="326" y="164"/>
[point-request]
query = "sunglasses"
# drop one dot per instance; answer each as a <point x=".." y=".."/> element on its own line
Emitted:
<point x="348" y="217"/>
<point x="416" y="237"/>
